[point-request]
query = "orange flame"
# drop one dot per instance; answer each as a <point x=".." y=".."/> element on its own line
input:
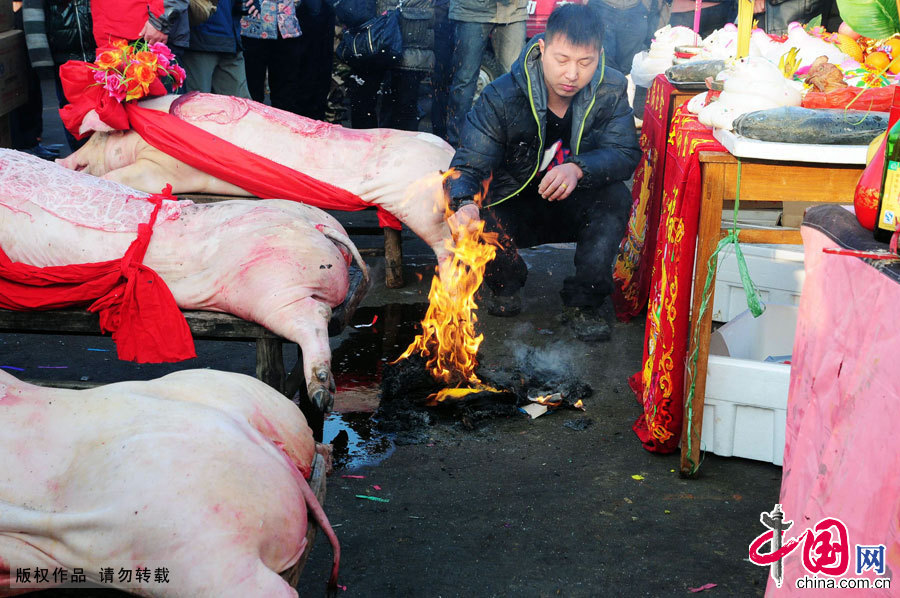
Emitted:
<point x="448" y="340"/>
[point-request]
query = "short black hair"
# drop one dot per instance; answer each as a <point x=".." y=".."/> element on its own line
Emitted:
<point x="579" y="23"/>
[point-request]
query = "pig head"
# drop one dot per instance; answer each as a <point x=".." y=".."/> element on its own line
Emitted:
<point x="280" y="264"/>
<point x="399" y="171"/>
<point x="199" y="472"/>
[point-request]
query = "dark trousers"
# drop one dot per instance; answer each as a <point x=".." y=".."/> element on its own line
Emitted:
<point x="399" y="99"/>
<point x="625" y="33"/>
<point x="280" y="58"/>
<point x="593" y="218"/>
<point x="315" y="61"/>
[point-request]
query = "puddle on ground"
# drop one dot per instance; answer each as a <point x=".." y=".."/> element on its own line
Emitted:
<point x="357" y="363"/>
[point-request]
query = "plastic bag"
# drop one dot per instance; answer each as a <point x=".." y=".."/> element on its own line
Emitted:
<point x="644" y="69"/>
<point x="877" y="99"/>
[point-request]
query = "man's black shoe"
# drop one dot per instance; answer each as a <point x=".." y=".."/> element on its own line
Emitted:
<point x="587" y="323"/>
<point x="504" y="306"/>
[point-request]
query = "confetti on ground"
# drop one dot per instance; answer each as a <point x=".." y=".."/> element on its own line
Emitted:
<point x="377" y="487"/>
<point x="374" y="319"/>
<point x="706" y="586"/>
<point x="103" y="350"/>
<point x="375" y="498"/>
<point x="354" y="477"/>
<point x="12" y="367"/>
<point x="52" y="367"/>
<point x="667" y="512"/>
<point x="343" y="588"/>
<point x="637" y="477"/>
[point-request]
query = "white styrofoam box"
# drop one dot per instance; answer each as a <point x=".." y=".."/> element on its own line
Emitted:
<point x="744" y="147"/>
<point x="745" y="408"/>
<point x="777" y="271"/>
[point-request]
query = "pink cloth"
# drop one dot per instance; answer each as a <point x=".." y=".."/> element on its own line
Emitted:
<point x="841" y="454"/>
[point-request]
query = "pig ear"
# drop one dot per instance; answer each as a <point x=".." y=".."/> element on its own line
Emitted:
<point x="92" y="122"/>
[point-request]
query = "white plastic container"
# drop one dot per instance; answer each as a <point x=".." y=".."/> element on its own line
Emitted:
<point x="745" y="407"/>
<point x="777" y="271"/>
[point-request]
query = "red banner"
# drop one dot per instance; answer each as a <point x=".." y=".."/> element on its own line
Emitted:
<point x="634" y="263"/>
<point x="659" y="386"/>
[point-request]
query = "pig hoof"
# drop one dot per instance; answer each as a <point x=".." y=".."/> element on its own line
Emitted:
<point x="323" y="400"/>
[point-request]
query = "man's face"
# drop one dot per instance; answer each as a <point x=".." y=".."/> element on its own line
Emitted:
<point x="567" y="67"/>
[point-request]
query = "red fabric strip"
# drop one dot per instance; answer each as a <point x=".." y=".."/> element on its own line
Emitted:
<point x="134" y="303"/>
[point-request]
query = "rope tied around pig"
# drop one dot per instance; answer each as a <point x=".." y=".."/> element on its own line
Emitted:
<point x="133" y="302"/>
<point x="204" y="151"/>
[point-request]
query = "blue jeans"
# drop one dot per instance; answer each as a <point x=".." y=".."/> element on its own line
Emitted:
<point x="468" y="51"/>
<point x="625" y="33"/>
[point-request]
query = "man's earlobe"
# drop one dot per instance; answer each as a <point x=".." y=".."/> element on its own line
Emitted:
<point x="541" y="45"/>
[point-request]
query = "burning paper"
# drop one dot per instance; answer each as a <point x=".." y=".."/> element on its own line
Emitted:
<point x="448" y="341"/>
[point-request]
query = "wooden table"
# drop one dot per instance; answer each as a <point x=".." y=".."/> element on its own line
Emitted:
<point x="761" y="180"/>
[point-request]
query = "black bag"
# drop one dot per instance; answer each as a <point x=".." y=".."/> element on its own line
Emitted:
<point x="352" y="13"/>
<point x="377" y="42"/>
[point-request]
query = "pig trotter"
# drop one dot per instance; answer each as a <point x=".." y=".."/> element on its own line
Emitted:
<point x="321" y="389"/>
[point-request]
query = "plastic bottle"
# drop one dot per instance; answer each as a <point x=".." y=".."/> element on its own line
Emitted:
<point x="889" y="198"/>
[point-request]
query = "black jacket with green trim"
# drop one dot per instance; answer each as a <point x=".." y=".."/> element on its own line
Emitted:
<point x="503" y="137"/>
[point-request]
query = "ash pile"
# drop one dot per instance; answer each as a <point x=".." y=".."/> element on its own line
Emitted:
<point x="412" y="400"/>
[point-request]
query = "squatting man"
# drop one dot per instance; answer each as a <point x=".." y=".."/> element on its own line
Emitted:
<point x="556" y="138"/>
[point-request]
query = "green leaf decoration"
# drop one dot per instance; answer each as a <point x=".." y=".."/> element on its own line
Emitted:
<point x="877" y="19"/>
<point x="813" y="23"/>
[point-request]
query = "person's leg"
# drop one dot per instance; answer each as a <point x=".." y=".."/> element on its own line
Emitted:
<point x="632" y="35"/>
<point x="468" y="52"/>
<point x="405" y="94"/>
<point x="612" y="25"/>
<point x="199" y="68"/>
<point x="285" y="83"/>
<point x="440" y="78"/>
<point x="255" y="63"/>
<point x="523" y="221"/>
<point x="230" y="76"/>
<point x="508" y="41"/>
<point x="601" y="215"/>
<point x="363" y="87"/>
<point x="315" y="59"/>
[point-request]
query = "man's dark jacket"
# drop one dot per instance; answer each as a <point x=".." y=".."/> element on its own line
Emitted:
<point x="505" y="132"/>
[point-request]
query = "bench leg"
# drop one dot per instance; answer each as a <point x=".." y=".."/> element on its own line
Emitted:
<point x="393" y="259"/>
<point x="269" y="364"/>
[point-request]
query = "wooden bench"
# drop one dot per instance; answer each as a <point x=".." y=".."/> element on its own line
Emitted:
<point x="205" y="325"/>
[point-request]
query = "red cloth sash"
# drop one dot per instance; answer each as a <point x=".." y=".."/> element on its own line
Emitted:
<point x="202" y="150"/>
<point x="135" y="304"/>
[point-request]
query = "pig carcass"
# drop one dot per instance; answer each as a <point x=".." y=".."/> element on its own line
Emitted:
<point x="199" y="472"/>
<point x="398" y="171"/>
<point x="278" y="263"/>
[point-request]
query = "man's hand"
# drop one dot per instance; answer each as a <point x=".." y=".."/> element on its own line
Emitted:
<point x="759" y="6"/>
<point x="252" y="11"/>
<point x="153" y="35"/>
<point x="560" y="182"/>
<point x="465" y="218"/>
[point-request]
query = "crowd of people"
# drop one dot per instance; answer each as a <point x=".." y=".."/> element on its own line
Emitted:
<point x="247" y="48"/>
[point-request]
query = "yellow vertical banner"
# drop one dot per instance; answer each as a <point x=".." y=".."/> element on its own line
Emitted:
<point x="744" y="23"/>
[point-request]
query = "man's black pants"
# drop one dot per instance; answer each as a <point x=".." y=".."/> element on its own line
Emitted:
<point x="593" y="218"/>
